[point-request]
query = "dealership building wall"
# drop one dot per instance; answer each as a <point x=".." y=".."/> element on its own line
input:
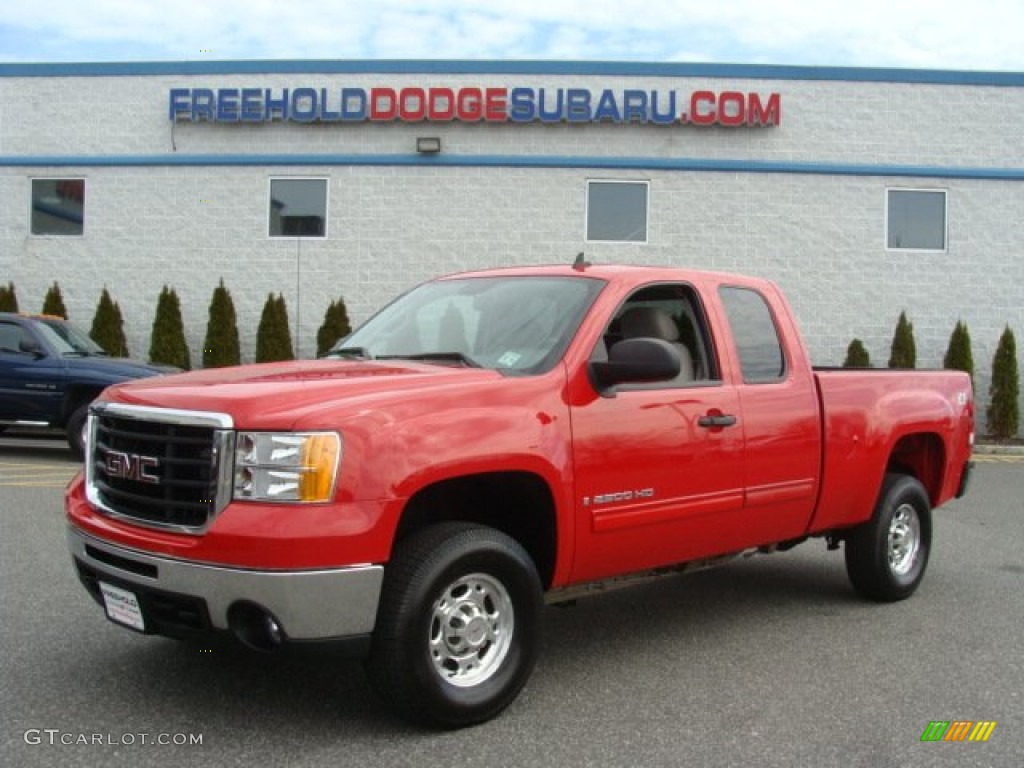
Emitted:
<point x="783" y="172"/>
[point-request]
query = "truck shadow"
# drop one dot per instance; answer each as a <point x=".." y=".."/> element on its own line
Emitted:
<point x="706" y="604"/>
<point x="226" y="686"/>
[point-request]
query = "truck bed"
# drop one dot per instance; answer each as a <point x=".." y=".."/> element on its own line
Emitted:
<point x="873" y="419"/>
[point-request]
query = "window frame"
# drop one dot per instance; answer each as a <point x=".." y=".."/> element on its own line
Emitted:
<point x="945" y="220"/>
<point x="327" y="206"/>
<point x="705" y="354"/>
<point x="646" y="183"/>
<point x="31" y="205"/>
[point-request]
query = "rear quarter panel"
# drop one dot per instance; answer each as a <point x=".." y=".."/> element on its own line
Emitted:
<point x="920" y="420"/>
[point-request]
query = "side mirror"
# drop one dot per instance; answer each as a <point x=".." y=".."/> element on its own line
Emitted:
<point x="31" y="347"/>
<point x="634" y="361"/>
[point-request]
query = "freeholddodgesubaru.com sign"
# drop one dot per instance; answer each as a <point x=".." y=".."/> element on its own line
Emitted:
<point x="474" y="104"/>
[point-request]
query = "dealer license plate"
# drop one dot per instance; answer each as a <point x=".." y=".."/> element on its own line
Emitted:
<point x="122" y="606"/>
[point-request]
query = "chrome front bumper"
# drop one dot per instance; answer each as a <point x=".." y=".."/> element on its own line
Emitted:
<point x="308" y="605"/>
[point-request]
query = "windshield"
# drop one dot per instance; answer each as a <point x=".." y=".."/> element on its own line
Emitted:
<point x="55" y="340"/>
<point x="72" y="336"/>
<point x="510" y="324"/>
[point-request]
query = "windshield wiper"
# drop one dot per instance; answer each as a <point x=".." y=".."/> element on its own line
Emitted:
<point x="356" y="352"/>
<point x="436" y="357"/>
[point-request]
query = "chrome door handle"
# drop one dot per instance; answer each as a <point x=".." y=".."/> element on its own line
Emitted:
<point x="717" y="420"/>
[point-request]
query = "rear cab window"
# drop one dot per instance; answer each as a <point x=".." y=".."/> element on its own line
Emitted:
<point x="755" y="335"/>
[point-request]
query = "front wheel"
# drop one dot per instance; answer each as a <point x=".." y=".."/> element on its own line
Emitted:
<point x="886" y="556"/>
<point x="77" y="430"/>
<point x="458" y="626"/>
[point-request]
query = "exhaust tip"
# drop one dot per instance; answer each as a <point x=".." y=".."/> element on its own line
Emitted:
<point x="256" y="627"/>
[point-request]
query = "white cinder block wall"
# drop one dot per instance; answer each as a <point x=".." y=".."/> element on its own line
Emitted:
<point x="803" y="203"/>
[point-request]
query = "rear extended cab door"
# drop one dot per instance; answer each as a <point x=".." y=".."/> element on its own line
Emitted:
<point x="779" y="411"/>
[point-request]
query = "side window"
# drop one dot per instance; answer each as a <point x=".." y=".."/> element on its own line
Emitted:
<point x="617" y="211"/>
<point x="915" y="219"/>
<point x="58" y="207"/>
<point x="11" y="335"/>
<point x="755" y="335"/>
<point x="298" y="208"/>
<point x="673" y="313"/>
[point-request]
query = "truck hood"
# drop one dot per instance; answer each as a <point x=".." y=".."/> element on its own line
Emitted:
<point x="298" y="394"/>
<point x="115" y="367"/>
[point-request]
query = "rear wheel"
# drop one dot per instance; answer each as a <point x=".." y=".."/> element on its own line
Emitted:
<point x="458" y="626"/>
<point x="887" y="556"/>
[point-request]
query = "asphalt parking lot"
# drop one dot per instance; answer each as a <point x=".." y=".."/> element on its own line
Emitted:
<point x="768" y="661"/>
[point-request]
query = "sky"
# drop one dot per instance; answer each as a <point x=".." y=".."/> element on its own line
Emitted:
<point x="915" y="34"/>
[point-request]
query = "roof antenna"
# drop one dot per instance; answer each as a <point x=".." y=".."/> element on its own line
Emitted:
<point x="581" y="263"/>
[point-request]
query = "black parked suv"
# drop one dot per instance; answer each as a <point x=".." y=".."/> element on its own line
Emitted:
<point x="50" y="371"/>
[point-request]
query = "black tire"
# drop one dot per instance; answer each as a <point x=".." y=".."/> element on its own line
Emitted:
<point x="887" y="556"/>
<point x="458" y="626"/>
<point x="75" y="430"/>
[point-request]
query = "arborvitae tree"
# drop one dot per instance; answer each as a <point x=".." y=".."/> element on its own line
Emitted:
<point x="958" y="355"/>
<point x="167" y="343"/>
<point x="904" y="351"/>
<point x="53" y="304"/>
<point x="273" y="338"/>
<point x="8" y="298"/>
<point x="336" y="326"/>
<point x="287" y="351"/>
<point x="1004" y="391"/>
<point x="857" y="355"/>
<point x="108" y="326"/>
<point x="265" y="331"/>
<point x="120" y="342"/>
<point x="221" y="346"/>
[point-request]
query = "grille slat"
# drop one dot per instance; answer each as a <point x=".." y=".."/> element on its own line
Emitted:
<point x="116" y="433"/>
<point x="162" y="473"/>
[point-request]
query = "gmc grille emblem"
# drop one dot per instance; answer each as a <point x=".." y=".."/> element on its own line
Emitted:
<point x="132" y="466"/>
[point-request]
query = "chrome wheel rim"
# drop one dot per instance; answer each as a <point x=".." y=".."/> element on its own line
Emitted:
<point x="471" y="629"/>
<point x="904" y="539"/>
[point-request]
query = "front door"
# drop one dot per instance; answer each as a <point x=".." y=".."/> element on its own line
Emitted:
<point x="31" y="385"/>
<point x="659" y="467"/>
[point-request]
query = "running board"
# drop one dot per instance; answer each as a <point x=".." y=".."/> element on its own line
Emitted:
<point x="573" y="592"/>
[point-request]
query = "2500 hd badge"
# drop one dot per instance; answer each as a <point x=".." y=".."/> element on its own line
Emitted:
<point x="612" y="498"/>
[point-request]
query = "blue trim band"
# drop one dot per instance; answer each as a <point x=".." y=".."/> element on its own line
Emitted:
<point x="568" y="68"/>
<point x="515" y="161"/>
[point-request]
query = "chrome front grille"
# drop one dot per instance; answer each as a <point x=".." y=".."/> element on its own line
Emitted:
<point x="158" y="467"/>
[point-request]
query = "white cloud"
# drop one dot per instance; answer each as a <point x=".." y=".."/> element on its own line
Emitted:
<point x="945" y="34"/>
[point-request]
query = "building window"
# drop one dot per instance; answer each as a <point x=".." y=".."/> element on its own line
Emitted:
<point x="617" y="211"/>
<point x="915" y="219"/>
<point x="298" y="207"/>
<point x="754" y="333"/>
<point x="58" y="206"/>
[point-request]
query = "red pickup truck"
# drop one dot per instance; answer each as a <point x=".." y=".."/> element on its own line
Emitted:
<point x="496" y="440"/>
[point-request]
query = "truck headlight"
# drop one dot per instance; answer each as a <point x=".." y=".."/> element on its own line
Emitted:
<point x="286" y="466"/>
